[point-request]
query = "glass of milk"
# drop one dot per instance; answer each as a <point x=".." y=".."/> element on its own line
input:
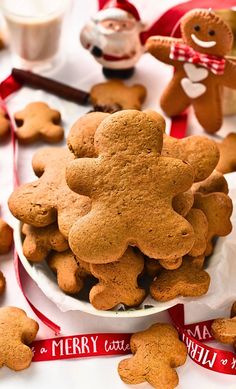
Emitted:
<point x="35" y="28"/>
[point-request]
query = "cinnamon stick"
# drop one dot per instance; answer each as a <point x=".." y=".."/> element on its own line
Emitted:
<point x="55" y="87"/>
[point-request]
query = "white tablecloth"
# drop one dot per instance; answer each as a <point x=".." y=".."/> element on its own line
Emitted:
<point x="79" y="69"/>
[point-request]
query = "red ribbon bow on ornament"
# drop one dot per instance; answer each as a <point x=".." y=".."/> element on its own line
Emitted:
<point x="182" y="52"/>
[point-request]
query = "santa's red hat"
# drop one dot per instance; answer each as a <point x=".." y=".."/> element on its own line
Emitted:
<point x="117" y="9"/>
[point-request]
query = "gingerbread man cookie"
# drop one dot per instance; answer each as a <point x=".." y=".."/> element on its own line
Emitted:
<point x="37" y="121"/>
<point x="38" y="242"/>
<point x="202" y="68"/>
<point x="49" y="199"/>
<point x="17" y="331"/>
<point x="6" y="237"/>
<point x="4" y="124"/>
<point x="156" y="351"/>
<point x="116" y="92"/>
<point x="218" y="208"/>
<point x="227" y="147"/>
<point x="224" y="330"/>
<point x="70" y="276"/>
<point x="118" y="282"/>
<point x="128" y="171"/>
<point x="187" y="281"/>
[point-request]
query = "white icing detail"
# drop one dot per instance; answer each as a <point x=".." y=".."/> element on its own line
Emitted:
<point x="205" y="44"/>
<point x="195" y="73"/>
<point x="192" y="90"/>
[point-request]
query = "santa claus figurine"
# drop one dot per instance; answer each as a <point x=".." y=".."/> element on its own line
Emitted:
<point x="113" y="37"/>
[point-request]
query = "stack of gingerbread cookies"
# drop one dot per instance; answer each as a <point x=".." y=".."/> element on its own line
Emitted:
<point x="122" y="204"/>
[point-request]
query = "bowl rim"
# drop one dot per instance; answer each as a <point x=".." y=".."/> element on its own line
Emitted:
<point x="83" y="306"/>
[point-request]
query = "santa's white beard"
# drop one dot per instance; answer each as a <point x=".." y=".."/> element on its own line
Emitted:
<point x="117" y="43"/>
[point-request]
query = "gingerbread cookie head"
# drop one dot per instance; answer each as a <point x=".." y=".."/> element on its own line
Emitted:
<point x="38" y="242"/>
<point x="118" y="282"/>
<point x="206" y="32"/>
<point x="81" y="136"/>
<point x="156" y="351"/>
<point x="129" y="170"/>
<point x="199" y="151"/>
<point x="17" y="331"/>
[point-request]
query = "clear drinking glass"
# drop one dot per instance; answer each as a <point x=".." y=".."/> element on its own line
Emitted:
<point x="35" y="29"/>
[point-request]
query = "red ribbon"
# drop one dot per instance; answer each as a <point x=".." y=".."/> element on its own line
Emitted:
<point x="220" y="361"/>
<point x="81" y="346"/>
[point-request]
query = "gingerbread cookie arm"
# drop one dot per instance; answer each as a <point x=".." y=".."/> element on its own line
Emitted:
<point x="52" y="133"/>
<point x="131" y="371"/>
<point x="81" y="175"/>
<point x="160" y="46"/>
<point x="229" y="77"/>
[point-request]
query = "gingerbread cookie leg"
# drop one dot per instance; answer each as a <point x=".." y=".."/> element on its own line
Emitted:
<point x="208" y="110"/>
<point x="109" y="237"/>
<point x="174" y="100"/>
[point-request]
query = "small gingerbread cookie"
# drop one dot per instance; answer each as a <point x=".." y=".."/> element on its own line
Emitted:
<point x="156" y="351"/>
<point x="38" y="242"/>
<point x="227" y="147"/>
<point x="2" y="283"/>
<point x="129" y="145"/>
<point x="17" y="331"/>
<point x="118" y="282"/>
<point x="49" y="198"/>
<point x="116" y="92"/>
<point x="218" y="208"/>
<point x="224" y="330"/>
<point x="81" y="136"/>
<point x="6" y="237"/>
<point x="4" y="124"/>
<point x="199" y="151"/>
<point x="187" y="281"/>
<point x="37" y="121"/>
<point x="70" y="276"/>
<point x="201" y="66"/>
<point x="216" y="182"/>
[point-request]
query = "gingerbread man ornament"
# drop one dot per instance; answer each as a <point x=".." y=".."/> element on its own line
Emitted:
<point x="202" y="68"/>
